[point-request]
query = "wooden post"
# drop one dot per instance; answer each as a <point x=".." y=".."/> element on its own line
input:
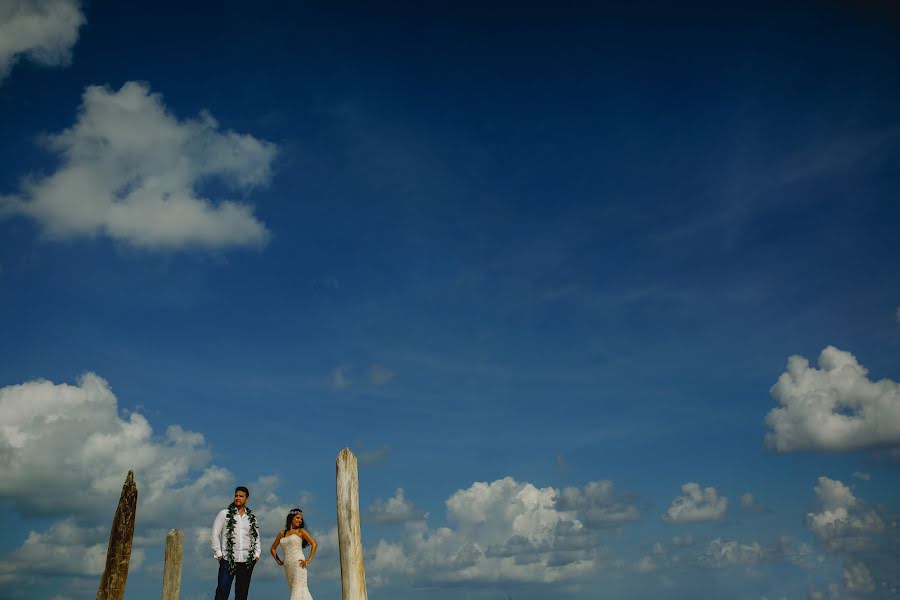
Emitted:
<point x="353" y="572"/>
<point x="118" y="553"/>
<point x="172" y="566"/>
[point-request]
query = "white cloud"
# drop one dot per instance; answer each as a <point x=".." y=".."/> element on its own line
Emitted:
<point x="862" y="476"/>
<point x="339" y="378"/>
<point x="131" y="170"/>
<point x="726" y="553"/>
<point x="598" y="505"/>
<point x="749" y="503"/>
<point x="835" y="407"/>
<point x="44" y="31"/>
<point x="380" y="375"/>
<point x="63" y="549"/>
<point x="858" y="580"/>
<point x="396" y="509"/>
<point x="56" y="438"/>
<point x="796" y="552"/>
<point x="502" y="531"/>
<point x="843" y="522"/>
<point x="696" y="505"/>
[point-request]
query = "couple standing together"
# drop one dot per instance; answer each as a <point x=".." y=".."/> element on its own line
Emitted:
<point x="235" y="544"/>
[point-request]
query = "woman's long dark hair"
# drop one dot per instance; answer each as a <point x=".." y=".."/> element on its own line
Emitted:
<point x="290" y="517"/>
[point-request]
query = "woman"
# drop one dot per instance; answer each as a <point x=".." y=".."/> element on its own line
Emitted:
<point x="294" y="538"/>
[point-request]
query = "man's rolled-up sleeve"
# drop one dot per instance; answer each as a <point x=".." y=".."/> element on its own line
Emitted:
<point x="216" y="536"/>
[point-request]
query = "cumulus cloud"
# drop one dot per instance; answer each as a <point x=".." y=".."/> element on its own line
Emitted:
<point x="598" y="504"/>
<point x="843" y="522"/>
<point x="63" y="549"/>
<point x="696" y="504"/>
<point x="501" y="531"/>
<point x="862" y="476"/>
<point x="396" y="509"/>
<point x="131" y="170"/>
<point x="43" y="31"/>
<point x="726" y="553"/>
<point x="56" y="439"/>
<point x="835" y="407"/>
<point x="857" y="579"/>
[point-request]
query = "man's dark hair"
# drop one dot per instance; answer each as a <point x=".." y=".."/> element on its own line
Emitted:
<point x="241" y="488"/>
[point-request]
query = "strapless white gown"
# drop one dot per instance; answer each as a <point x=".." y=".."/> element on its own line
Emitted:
<point x="296" y="575"/>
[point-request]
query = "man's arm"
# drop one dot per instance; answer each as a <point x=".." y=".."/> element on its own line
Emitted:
<point x="216" y="536"/>
<point x="257" y="550"/>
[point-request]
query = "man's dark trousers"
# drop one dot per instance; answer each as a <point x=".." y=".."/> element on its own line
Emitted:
<point x="241" y="578"/>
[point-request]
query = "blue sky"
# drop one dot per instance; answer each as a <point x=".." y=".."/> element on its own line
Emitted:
<point x="541" y="266"/>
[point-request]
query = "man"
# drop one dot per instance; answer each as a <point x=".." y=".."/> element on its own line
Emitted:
<point x="235" y="544"/>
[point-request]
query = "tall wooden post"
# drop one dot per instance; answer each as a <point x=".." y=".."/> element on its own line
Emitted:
<point x="118" y="553"/>
<point x="353" y="572"/>
<point x="172" y="565"/>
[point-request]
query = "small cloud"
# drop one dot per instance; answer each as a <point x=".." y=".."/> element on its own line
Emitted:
<point x="862" y="476"/>
<point x="372" y="457"/>
<point x="598" y="504"/>
<point x="43" y="31"/>
<point x="561" y="465"/>
<point x="696" y="505"/>
<point x="843" y="521"/>
<point x="858" y="580"/>
<point x="339" y="378"/>
<point x="897" y="314"/>
<point x="724" y="553"/>
<point x="396" y="509"/>
<point x="749" y="503"/>
<point x="379" y="375"/>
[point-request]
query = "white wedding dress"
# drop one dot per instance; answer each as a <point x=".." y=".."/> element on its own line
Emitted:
<point x="296" y="575"/>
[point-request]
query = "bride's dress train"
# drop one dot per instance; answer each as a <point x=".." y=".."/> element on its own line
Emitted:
<point x="296" y="575"/>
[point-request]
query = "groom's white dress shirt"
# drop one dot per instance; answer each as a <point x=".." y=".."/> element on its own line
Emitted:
<point x="242" y="549"/>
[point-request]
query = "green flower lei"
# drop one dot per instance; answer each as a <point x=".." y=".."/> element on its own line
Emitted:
<point x="229" y="530"/>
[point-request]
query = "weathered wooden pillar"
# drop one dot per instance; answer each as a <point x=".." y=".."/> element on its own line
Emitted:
<point x="353" y="572"/>
<point x="172" y="565"/>
<point x="118" y="553"/>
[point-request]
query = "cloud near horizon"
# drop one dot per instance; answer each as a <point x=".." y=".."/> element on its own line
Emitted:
<point x="58" y="437"/>
<point x="42" y="31"/>
<point x="130" y="170"/>
<point x="503" y="531"/>
<point x="396" y="509"/>
<point x="843" y="522"/>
